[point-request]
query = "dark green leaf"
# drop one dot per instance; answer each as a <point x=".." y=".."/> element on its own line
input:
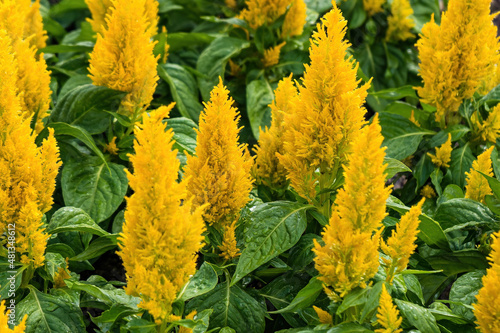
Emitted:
<point x="461" y="162"/>
<point x="464" y="291"/>
<point x="305" y="297"/>
<point x="395" y="93"/>
<point x="184" y="134"/>
<point x="96" y="248"/>
<point x="259" y="96"/>
<point x="458" y="211"/>
<point x="81" y="47"/>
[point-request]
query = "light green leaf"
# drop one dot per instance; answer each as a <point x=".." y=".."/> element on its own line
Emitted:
<point x="204" y="280"/>
<point x="464" y="291"/>
<point x="259" y="96"/>
<point x="394" y="166"/>
<point x="461" y="162"/>
<point x="73" y="219"/>
<point x="418" y="316"/>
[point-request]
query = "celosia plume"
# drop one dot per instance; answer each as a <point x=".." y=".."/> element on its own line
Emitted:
<point x="350" y="256"/>
<point x="267" y="169"/>
<point x="123" y="58"/>
<point x="456" y="56"/>
<point x="489" y="129"/>
<point x="4" y="321"/>
<point x="219" y="173"/>
<point x="477" y="185"/>
<point x="428" y="192"/>
<point x="229" y="247"/>
<point x="328" y="112"/>
<point x="162" y="232"/>
<point x="324" y="316"/>
<point x="401" y="245"/>
<point x="487" y="308"/>
<point x="399" y="22"/>
<point x="373" y="7"/>
<point x="272" y="55"/>
<point x="388" y="315"/>
<point x="294" y="19"/>
<point x="443" y="154"/>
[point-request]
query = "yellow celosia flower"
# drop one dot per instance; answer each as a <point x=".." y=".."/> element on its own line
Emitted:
<point x="111" y="147"/>
<point x="294" y="19"/>
<point x="22" y="20"/>
<point x="27" y="172"/>
<point x="350" y="256"/>
<point x="401" y="245"/>
<point x="231" y="3"/>
<point x="324" y="316"/>
<point x="477" y="186"/>
<point x="373" y="7"/>
<point x="101" y="9"/>
<point x="162" y="233"/>
<point x="4" y="321"/>
<point x="229" y="247"/>
<point x="490" y="81"/>
<point x="428" y="192"/>
<point x="272" y="55"/>
<point x="219" y="173"/>
<point x="267" y="169"/>
<point x="234" y="68"/>
<point x="456" y="56"/>
<point x="166" y="48"/>
<point x="489" y="129"/>
<point x="412" y="118"/>
<point x="443" y="154"/>
<point x="183" y="329"/>
<point x="487" y="308"/>
<point x="388" y="315"/>
<point x="327" y="114"/>
<point x="62" y="273"/>
<point x="400" y="23"/>
<point x="123" y="58"/>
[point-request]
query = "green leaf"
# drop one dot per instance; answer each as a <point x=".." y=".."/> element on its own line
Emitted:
<point x="274" y="227"/>
<point x="305" y="297"/>
<point x="89" y="185"/>
<point x="47" y="313"/>
<point x="97" y="247"/>
<point x="349" y="328"/>
<point x="6" y="276"/>
<point x="184" y="134"/>
<point x="66" y="6"/>
<point x="115" y="313"/>
<point x="53" y="261"/>
<point x="180" y="40"/>
<point x="492" y="96"/>
<point x="442" y="312"/>
<point x="494" y="184"/>
<point x="259" y="96"/>
<point x="418" y="316"/>
<point x="459" y="211"/>
<point x="451" y="191"/>
<point x="458" y="262"/>
<point x="183" y="88"/>
<point x="301" y="253"/>
<point x="456" y="131"/>
<point x="395" y="93"/>
<point x="461" y="162"/>
<point x="423" y="170"/>
<point x="401" y="136"/>
<point x="233" y="307"/>
<point x="212" y="61"/>
<point x="204" y="280"/>
<point x="394" y="166"/>
<point x="73" y="219"/>
<point x="372" y="300"/>
<point x="85" y="106"/>
<point x="81" y="47"/>
<point x="354" y="298"/>
<point x="464" y="291"/>
<point x="72" y="83"/>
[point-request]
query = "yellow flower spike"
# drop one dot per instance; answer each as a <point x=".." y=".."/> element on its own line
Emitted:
<point x="267" y="169"/>
<point x="324" y="316"/>
<point x="328" y="113"/>
<point x="183" y="329"/>
<point x="229" y="247"/>
<point x="400" y="23"/>
<point x="231" y="4"/>
<point x="412" y="118"/>
<point x="457" y="56"/>
<point x="350" y="256"/>
<point x="487" y="308"/>
<point x="162" y="232"/>
<point x="491" y="80"/>
<point x="388" y="315"/>
<point x="219" y="173"/>
<point x="443" y="154"/>
<point x="272" y="55"/>
<point x="101" y="9"/>
<point x="123" y="58"/>
<point x="428" y="192"/>
<point x="488" y="130"/>
<point x="111" y="147"/>
<point x="264" y="12"/>
<point x="373" y="7"/>
<point x="62" y="273"/>
<point x="4" y="321"/>
<point x="294" y="19"/>
<point x="477" y="186"/>
<point x="401" y="244"/>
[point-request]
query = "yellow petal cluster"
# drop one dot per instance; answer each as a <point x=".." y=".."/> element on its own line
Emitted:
<point x="267" y="169"/>
<point x="229" y="247"/>
<point x="264" y="12"/>
<point x="61" y="274"/>
<point x="401" y="244"/>
<point x="294" y="19"/>
<point x="350" y="256"/>
<point x="272" y="55"/>
<point x="324" y="316"/>
<point x="487" y="308"/>
<point x="490" y="81"/>
<point x="399" y="22"/>
<point x="442" y="157"/>
<point x="328" y="112"/>
<point x="101" y="9"/>
<point x="489" y="129"/>
<point x="373" y="7"/>
<point x="162" y="233"/>
<point x="22" y="20"/>
<point x="457" y="55"/>
<point x="477" y="186"/>
<point x="123" y="58"/>
<point x="4" y="321"/>
<point x="219" y="173"/>
<point x="111" y="147"/>
<point x="388" y="315"/>
<point x="428" y="192"/>
<point x="27" y="172"/>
